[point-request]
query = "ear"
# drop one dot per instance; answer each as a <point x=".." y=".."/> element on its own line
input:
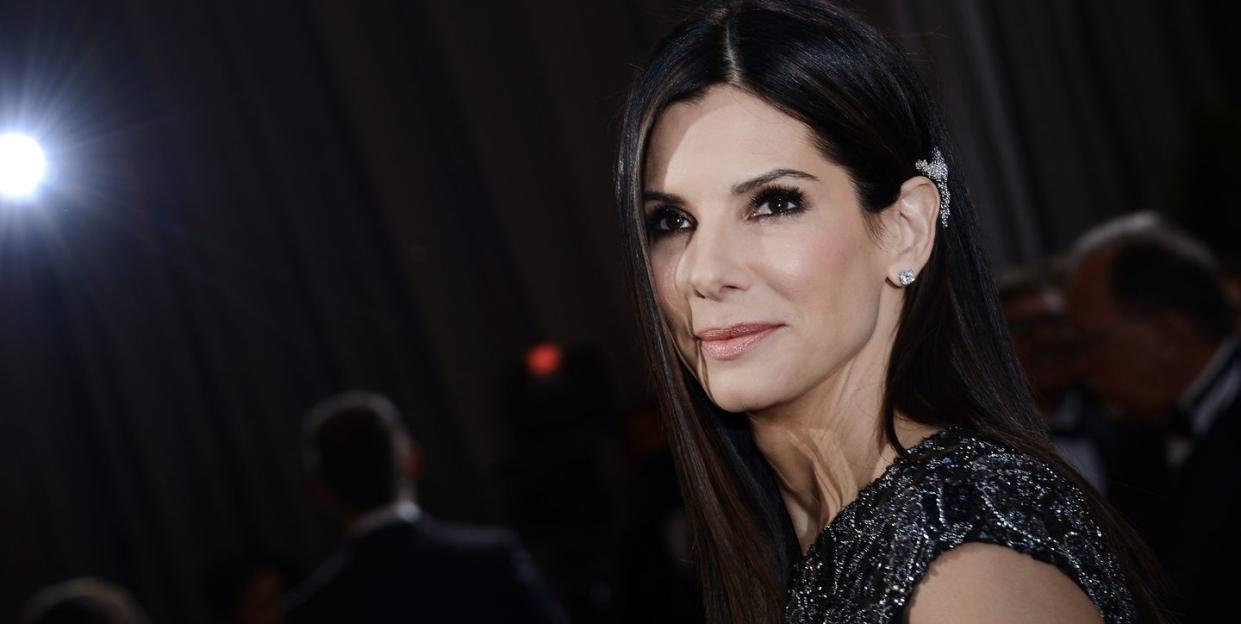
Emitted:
<point x="909" y="228"/>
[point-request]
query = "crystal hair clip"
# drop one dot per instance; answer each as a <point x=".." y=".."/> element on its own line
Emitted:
<point x="937" y="171"/>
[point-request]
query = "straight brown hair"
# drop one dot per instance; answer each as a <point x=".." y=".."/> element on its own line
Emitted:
<point x="952" y="362"/>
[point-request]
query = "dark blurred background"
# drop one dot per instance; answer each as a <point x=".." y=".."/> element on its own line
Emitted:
<point x="253" y="205"/>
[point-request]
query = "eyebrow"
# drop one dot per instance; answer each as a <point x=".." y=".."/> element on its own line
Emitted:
<point x="667" y="198"/>
<point x="742" y="188"/>
<point x="739" y="188"/>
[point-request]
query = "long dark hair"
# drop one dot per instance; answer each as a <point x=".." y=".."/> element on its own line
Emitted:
<point x="952" y="362"/>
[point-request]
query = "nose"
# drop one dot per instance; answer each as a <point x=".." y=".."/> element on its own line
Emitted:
<point x="712" y="265"/>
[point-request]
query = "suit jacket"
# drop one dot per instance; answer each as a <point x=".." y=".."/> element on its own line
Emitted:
<point x="1190" y="514"/>
<point x="426" y="571"/>
<point x="1200" y="544"/>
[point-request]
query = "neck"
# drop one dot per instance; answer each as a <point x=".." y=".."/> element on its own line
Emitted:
<point x="822" y="468"/>
<point x="827" y="445"/>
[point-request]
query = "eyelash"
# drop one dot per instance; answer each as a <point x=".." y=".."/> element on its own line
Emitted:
<point x="660" y="215"/>
<point x="775" y="193"/>
<point x="785" y="194"/>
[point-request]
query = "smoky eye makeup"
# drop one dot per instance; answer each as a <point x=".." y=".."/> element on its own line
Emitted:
<point x="772" y="200"/>
<point x="665" y="220"/>
<point x="775" y="200"/>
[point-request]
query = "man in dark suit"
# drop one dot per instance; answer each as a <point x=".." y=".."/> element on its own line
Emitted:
<point x="1157" y="341"/>
<point x="399" y="565"/>
<point x="88" y="600"/>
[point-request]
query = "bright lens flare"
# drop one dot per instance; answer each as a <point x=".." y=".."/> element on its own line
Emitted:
<point x="22" y="165"/>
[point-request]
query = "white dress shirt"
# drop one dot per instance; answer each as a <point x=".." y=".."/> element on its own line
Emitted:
<point x="400" y="511"/>
<point x="1210" y="392"/>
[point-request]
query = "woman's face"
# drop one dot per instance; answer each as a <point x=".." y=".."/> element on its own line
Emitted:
<point x="766" y="273"/>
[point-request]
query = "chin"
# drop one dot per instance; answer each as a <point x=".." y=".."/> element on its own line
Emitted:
<point x="745" y="394"/>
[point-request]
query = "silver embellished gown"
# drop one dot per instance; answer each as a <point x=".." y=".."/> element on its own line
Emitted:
<point x="953" y="488"/>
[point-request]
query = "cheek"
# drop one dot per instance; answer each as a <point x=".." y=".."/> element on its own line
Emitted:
<point x="673" y="304"/>
<point x="1129" y="363"/>
<point x="663" y="279"/>
<point x="821" y="276"/>
<point x="1126" y="349"/>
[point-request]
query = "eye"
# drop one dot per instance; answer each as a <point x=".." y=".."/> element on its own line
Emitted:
<point x="666" y="220"/>
<point x="776" y="201"/>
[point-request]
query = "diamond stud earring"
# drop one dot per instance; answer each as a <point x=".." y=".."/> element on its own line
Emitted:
<point x="905" y="278"/>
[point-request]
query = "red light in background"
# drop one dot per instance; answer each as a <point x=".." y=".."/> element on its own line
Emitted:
<point x="543" y="359"/>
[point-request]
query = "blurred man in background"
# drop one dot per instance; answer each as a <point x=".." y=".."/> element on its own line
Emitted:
<point x="1033" y="304"/>
<point x="1156" y="333"/>
<point x="84" y="601"/>
<point x="399" y="564"/>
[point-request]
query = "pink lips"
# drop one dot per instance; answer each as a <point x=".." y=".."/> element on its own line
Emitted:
<point x="730" y="343"/>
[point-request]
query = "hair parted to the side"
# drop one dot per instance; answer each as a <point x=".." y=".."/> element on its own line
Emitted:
<point x="952" y="361"/>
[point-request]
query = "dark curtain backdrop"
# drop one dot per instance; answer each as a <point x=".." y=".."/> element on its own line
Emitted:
<point x="1070" y="111"/>
<point x="257" y="204"/>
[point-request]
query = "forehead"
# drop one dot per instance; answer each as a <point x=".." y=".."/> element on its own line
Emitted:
<point x="724" y="136"/>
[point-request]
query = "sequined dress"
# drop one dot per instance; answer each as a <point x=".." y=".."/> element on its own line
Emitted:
<point x="953" y="488"/>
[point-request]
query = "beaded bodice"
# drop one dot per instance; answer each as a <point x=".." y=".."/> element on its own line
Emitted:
<point x="954" y="487"/>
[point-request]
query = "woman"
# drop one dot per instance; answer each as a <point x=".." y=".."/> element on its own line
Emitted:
<point x="831" y="357"/>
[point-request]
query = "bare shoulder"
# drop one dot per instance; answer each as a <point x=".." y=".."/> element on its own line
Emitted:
<point x="980" y="582"/>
